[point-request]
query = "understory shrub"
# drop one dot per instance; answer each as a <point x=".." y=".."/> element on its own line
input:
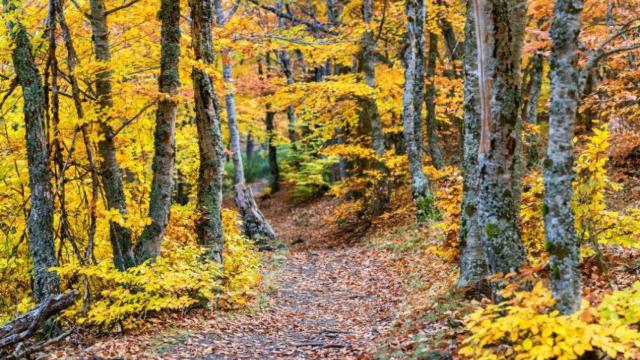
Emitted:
<point x="182" y="277"/>
<point x="526" y="326"/>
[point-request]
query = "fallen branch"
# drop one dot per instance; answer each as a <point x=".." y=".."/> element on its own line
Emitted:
<point x="27" y="324"/>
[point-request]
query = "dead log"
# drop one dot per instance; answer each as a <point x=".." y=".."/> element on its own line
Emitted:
<point x="26" y="325"/>
<point x="254" y="225"/>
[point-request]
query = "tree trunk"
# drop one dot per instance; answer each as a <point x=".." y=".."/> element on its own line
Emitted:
<point x="287" y="68"/>
<point x="561" y="239"/>
<point x="150" y="242"/>
<point x="274" y="182"/>
<point x="209" y="223"/>
<point x="432" y="137"/>
<point x="370" y="122"/>
<point x="499" y="30"/>
<point x="250" y="148"/>
<point x="109" y="169"/>
<point x="531" y="110"/>
<point x="254" y="225"/>
<point x="413" y="78"/>
<point x="40" y="221"/>
<point x="473" y="261"/>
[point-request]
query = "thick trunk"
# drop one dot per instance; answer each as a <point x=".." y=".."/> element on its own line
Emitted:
<point x="150" y="242"/>
<point x="209" y="222"/>
<point x="561" y="240"/>
<point x="473" y="261"/>
<point x="274" y="182"/>
<point x="499" y="30"/>
<point x="370" y="122"/>
<point x="430" y="99"/>
<point x="254" y="224"/>
<point x="413" y="78"/>
<point x="109" y="169"/>
<point x="40" y="221"/>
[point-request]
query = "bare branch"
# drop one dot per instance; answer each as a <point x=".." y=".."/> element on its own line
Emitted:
<point x="123" y="6"/>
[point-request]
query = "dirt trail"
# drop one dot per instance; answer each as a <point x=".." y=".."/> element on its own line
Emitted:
<point x="329" y="303"/>
<point x="321" y="301"/>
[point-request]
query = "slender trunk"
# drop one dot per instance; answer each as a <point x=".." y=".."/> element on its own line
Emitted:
<point x="150" y="242"/>
<point x="370" y="122"/>
<point x="209" y="223"/>
<point x="415" y="10"/>
<point x="274" y="182"/>
<point x="530" y="112"/>
<point x="430" y="99"/>
<point x="40" y="221"/>
<point x="254" y="224"/>
<point x="287" y="67"/>
<point x="109" y="169"/>
<point x="499" y="30"/>
<point x="250" y="148"/>
<point x="561" y="239"/>
<point x="473" y="261"/>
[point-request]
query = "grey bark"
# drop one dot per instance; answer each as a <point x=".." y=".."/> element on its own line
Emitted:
<point x="430" y="100"/>
<point x="413" y="78"/>
<point x="40" y="221"/>
<point x="370" y="122"/>
<point x="254" y="224"/>
<point x="473" y="261"/>
<point x="535" y="86"/>
<point x="150" y="242"/>
<point x="120" y="236"/>
<point x="560" y="232"/>
<point x="211" y="148"/>
<point x="530" y="111"/>
<point x="499" y="26"/>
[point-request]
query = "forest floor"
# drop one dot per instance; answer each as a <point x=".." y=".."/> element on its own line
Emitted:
<point x="324" y="296"/>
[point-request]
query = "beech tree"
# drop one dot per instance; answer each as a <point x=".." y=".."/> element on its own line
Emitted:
<point x="499" y="26"/>
<point x="40" y="220"/>
<point x="209" y="223"/>
<point x="150" y="242"/>
<point x="412" y="97"/>
<point x="560" y="233"/>
<point x="109" y="168"/>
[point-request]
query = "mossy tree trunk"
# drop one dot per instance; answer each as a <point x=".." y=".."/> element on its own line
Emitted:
<point x="150" y="242"/>
<point x="211" y="148"/>
<point x="499" y="26"/>
<point x="370" y="122"/>
<point x="473" y="261"/>
<point x="560" y="232"/>
<point x="109" y="168"/>
<point x="412" y="97"/>
<point x="40" y="221"/>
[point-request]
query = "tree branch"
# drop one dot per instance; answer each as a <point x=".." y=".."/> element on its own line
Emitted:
<point x="310" y="25"/>
<point x="123" y="6"/>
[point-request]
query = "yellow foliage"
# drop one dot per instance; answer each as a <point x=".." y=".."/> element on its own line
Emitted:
<point x="527" y="327"/>
<point x="180" y="278"/>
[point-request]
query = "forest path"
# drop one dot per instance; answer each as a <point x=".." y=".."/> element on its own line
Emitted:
<point x="327" y="303"/>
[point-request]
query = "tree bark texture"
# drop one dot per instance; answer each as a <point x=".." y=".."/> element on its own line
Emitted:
<point x="560" y="232"/>
<point x="370" y="122"/>
<point x="120" y="236"/>
<point x="150" y="242"/>
<point x="40" y="221"/>
<point x="499" y="26"/>
<point x="430" y="99"/>
<point x="209" y="223"/>
<point x="413" y="78"/>
<point x="473" y="261"/>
